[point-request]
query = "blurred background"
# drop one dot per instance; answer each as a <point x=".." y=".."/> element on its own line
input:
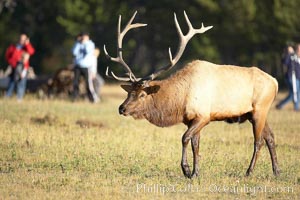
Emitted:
<point x="246" y="32"/>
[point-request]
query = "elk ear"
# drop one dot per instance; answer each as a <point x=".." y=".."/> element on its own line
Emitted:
<point x="152" y="89"/>
<point x="127" y="88"/>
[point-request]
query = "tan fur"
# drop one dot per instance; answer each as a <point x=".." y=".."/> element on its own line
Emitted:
<point x="216" y="92"/>
<point x="202" y="92"/>
<point x="199" y="93"/>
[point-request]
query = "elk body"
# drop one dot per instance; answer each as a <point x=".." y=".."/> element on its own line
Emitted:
<point x="199" y="93"/>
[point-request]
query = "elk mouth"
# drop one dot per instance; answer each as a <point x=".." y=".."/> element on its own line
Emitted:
<point x="124" y="112"/>
<point x="132" y="114"/>
<point x="135" y="114"/>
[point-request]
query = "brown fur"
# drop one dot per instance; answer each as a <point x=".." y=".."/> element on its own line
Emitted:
<point x="168" y="106"/>
<point x="202" y="92"/>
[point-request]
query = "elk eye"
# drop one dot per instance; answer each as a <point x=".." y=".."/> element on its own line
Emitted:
<point x="142" y="95"/>
<point x="133" y="94"/>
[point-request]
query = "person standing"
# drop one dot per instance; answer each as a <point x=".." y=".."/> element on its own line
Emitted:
<point x="292" y="75"/>
<point x="83" y="52"/>
<point x="17" y="56"/>
<point x="98" y="81"/>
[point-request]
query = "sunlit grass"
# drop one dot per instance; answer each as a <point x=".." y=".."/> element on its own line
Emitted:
<point x="45" y="153"/>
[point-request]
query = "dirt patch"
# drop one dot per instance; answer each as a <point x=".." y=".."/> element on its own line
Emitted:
<point x="48" y="119"/>
<point x="88" y="124"/>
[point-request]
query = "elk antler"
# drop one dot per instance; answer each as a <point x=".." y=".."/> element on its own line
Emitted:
<point x="119" y="59"/>
<point x="183" y="40"/>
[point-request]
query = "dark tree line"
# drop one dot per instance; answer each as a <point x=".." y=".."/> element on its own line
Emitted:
<point x="246" y="32"/>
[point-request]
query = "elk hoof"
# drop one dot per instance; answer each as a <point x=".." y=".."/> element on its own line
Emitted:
<point x="276" y="172"/>
<point x="186" y="170"/>
<point x="248" y="173"/>
<point x="194" y="175"/>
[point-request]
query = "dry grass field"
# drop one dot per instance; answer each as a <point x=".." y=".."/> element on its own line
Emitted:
<point x="56" y="149"/>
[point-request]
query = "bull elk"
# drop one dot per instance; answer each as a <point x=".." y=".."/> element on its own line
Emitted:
<point x="197" y="94"/>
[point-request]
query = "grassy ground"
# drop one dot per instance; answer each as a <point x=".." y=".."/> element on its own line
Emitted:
<point x="62" y="150"/>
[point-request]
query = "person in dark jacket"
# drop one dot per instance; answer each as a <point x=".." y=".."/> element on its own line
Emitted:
<point x="291" y="62"/>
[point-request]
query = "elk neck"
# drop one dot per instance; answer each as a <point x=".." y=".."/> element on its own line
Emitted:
<point x="167" y="106"/>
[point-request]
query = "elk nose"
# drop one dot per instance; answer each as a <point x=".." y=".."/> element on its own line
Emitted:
<point x="122" y="109"/>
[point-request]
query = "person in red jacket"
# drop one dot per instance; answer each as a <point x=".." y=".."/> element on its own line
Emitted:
<point x="17" y="56"/>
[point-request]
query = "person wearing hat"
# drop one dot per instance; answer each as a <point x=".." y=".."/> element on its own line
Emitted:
<point x="83" y="52"/>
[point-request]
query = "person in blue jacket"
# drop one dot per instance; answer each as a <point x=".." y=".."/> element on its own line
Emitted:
<point x="83" y="52"/>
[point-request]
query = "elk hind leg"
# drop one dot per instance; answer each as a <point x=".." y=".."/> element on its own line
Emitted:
<point x="195" y="148"/>
<point x="269" y="138"/>
<point x="258" y="122"/>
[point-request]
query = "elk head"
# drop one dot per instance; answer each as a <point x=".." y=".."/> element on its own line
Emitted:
<point x="140" y="89"/>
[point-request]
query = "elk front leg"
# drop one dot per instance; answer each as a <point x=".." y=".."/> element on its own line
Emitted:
<point x="194" y="128"/>
<point x="184" y="163"/>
